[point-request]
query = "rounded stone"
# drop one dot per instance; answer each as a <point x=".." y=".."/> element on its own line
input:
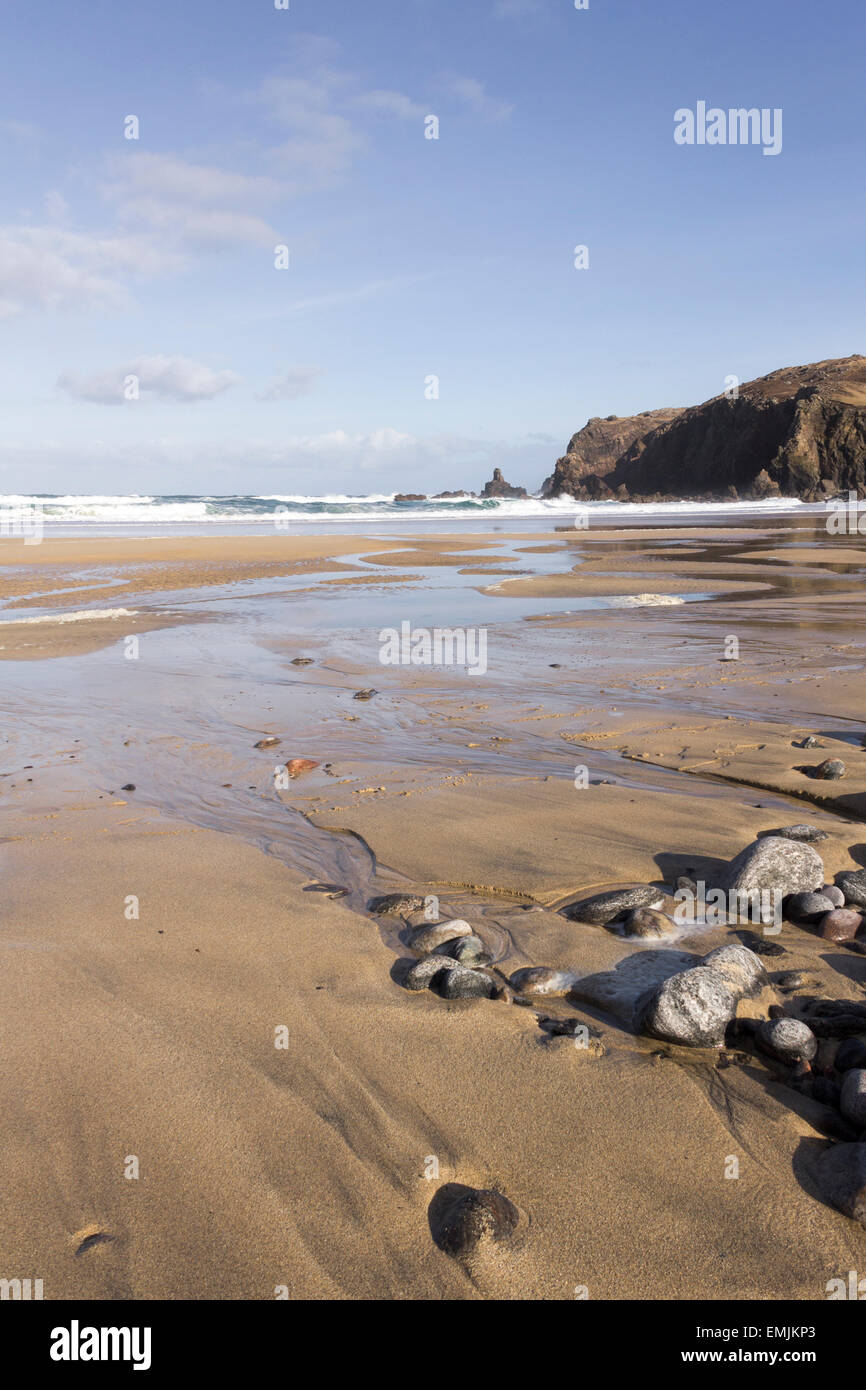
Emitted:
<point x="396" y="904"/>
<point x="808" y="907"/>
<point x="692" y="1008"/>
<point x="853" y="1099"/>
<point x="841" y="1173"/>
<point x="787" y="1039"/>
<point x="462" y="983"/>
<point x="428" y="938"/>
<point x="425" y="971"/>
<point x="836" y="896"/>
<point x="471" y="1218"/>
<point x="842" y="924"/>
<point x="648" y="922"/>
<point x="741" y="968"/>
<point x="806" y="833"/>
<point x="853" y="885"/>
<point x="541" y="980"/>
<point x="774" y="864"/>
<point x="607" y="907"/>
<point x="830" y="770"/>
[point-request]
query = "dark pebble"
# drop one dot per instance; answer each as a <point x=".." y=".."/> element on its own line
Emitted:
<point x="462" y="1218"/>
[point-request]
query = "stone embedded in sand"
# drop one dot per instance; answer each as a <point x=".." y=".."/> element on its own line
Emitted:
<point x="647" y="922"/>
<point x="396" y="904"/>
<point x="541" y="980"/>
<point x="853" y="885"/>
<point x="841" y="1174"/>
<point x="692" y="1008"/>
<point x="790" y="980"/>
<point x="296" y="767"/>
<point x="364" y="694"/>
<point x="850" y="1053"/>
<point x="469" y="950"/>
<point x="806" y="833"/>
<point x="604" y="908"/>
<point x="462" y="983"/>
<point x="787" y="1039"/>
<point x="426" y="970"/>
<point x="741" y="968"/>
<point x="426" y="939"/>
<point x="808" y="742"/>
<point x="808" y="907"/>
<point x="853" y="1099"/>
<point x="774" y="864"/>
<point x="270" y="742"/>
<point x="830" y="770"/>
<point x="841" y="924"/>
<point x="302" y="661"/>
<point x="473" y="1217"/>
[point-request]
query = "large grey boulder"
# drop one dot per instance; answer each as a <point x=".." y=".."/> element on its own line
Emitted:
<point x="853" y="1099"/>
<point x="692" y="1008"/>
<point x="740" y="967"/>
<point x="774" y="864"/>
<point x="853" y="885"/>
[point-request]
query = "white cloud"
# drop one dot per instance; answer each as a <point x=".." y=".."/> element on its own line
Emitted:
<point x="52" y="268"/>
<point x="474" y="94"/>
<point x="395" y="103"/>
<point x="296" y="382"/>
<point x="166" y="378"/>
<point x="191" y="204"/>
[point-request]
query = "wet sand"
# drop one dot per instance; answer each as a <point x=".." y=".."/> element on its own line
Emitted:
<point x="308" y="1165"/>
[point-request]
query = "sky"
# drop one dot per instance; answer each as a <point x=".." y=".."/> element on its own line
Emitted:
<point x="430" y="323"/>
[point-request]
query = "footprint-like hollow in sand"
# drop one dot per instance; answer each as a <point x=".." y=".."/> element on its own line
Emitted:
<point x="89" y="1236"/>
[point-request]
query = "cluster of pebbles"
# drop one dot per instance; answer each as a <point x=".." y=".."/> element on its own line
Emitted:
<point x="817" y="1046"/>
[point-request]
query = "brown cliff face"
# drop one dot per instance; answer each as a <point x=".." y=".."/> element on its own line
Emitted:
<point x="597" y="448"/>
<point x="800" y="431"/>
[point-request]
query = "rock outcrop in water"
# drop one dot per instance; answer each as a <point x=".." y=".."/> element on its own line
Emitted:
<point x="498" y="487"/>
<point x="799" y="432"/>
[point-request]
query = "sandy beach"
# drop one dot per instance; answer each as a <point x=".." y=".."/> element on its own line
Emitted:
<point x="216" y="1082"/>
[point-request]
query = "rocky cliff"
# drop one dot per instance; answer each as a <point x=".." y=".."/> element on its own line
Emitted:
<point x="799" y="432"/>
<point x="597" y="448"/>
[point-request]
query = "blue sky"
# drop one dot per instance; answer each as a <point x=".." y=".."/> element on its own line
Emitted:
<point x="409" y="257"/>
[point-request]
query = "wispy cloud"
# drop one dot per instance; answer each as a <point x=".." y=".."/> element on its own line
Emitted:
<point x="165" y="378"/>
<point x="291" y="385"/>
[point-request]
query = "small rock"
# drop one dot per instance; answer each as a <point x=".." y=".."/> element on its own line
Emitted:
<point x="830" y="770"/>
<point x="684" y="884"/>
<point x="853" y="885"/>
<point x="647" y="922"/>
<point x="426" y="939"/>
<point x="760" y="945"/>
<point x="270" y="742"/>
<point x="468" y="950"/>
<point x="606" y="907"/>
<point x="475" y="1216"/>
<point x="396" y="904"/>
<point x="740" y="967"/>
<point x="425" y="971"/>
<point x="692" y="1008"/>
<point x="541" y="980"/>
<point x="787" y="1039"/>
<point x="296" y="767"/>
<point x="302" y="661"/>
<point x="808" y="742"/>
<point x="842" y="924"/>
<point x="853" y="1099"/>
<point x="130" y="787"/>
<point x="836" y="896"/>
<point x="364" y="694"/>
<point x="850" y="1053"/>
<point x="809" y="834"/>
<point x="462" y="983"/>
<point x="841" y="1174"/>
<point x="808" y="907"/>
<point x="790" y="980"/>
